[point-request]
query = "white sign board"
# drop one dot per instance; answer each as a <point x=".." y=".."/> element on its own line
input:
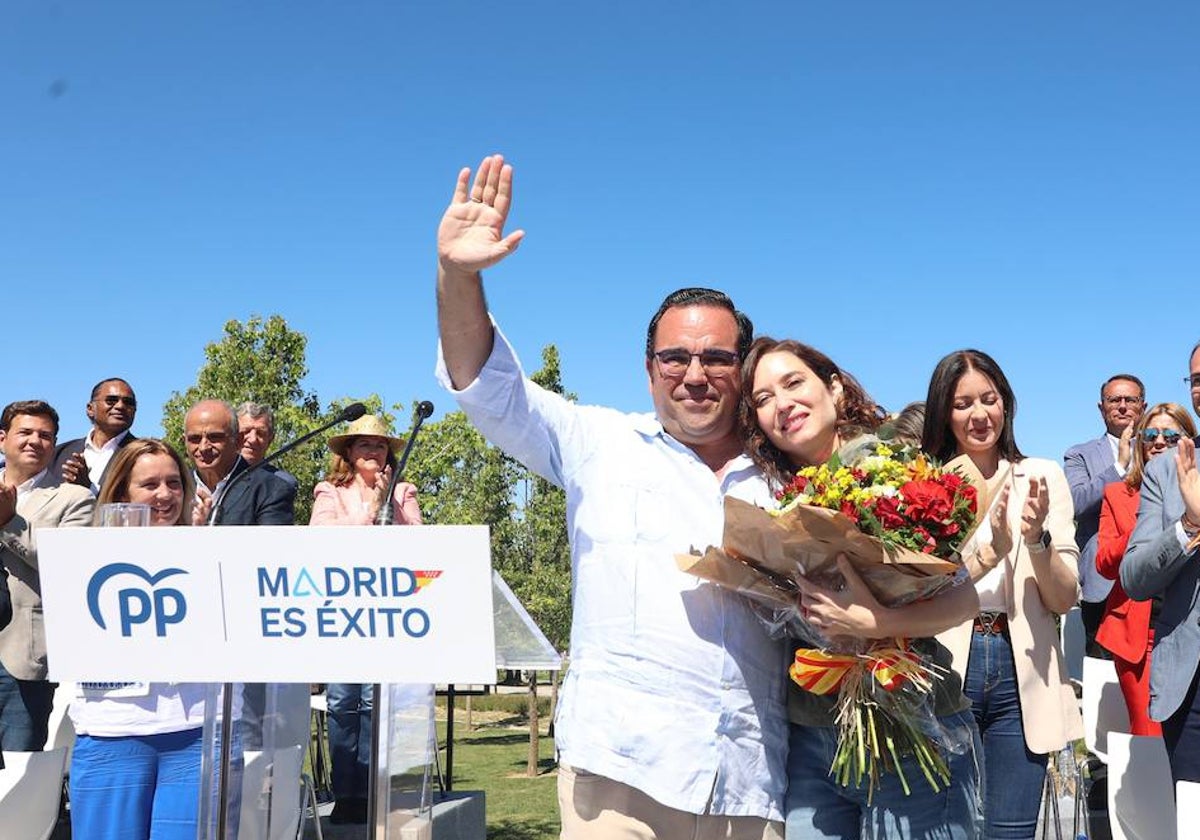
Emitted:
<point x="268" y="604"/>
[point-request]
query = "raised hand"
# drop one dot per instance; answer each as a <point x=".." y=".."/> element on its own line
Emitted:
<point x="998" y="519"/>
<point x="471" y="234"/>
<point x="1189" y="477"/>
<point x="202" y="509"/>
<point x="75" y="471"/>
<point x="1037" y="505"/>
<point x="1125" y="446"/>
<point x="8" y="502"/>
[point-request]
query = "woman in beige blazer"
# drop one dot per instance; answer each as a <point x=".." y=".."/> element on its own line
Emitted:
<point x="1009" y="656"/>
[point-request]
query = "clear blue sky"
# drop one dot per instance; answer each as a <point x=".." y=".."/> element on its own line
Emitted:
<point x="886" y="180"/>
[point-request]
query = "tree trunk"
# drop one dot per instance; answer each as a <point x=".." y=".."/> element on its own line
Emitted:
<point x="553" y="699"/>
<point x="470" y="722"/>
<point x="531" y="767"/>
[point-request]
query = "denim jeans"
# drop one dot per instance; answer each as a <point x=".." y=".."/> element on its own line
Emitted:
<point x="818" y="808"/>
<point x="136" y="787"/>
<point x="1013" y="776"/>
<point x="24" y="712"/>
<point x="350" y="738"/>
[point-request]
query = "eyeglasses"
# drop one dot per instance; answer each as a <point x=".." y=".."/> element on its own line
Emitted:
<point x="113" y="399"/>
<point x="1193" y="381"/>
<point x="1169" y="435"/>
<point x="1123" y="400"/>
<point x="675" y="361"/>
<point x="195" y="439"/>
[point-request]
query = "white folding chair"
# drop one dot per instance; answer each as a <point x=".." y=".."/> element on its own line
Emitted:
<point x="61" y="730"/>
<point x="274" y="796"/>
<point x="30" y="793"/>
<point x="1104" y="708"/>
<point x="1140" y="801"/>
<point x="1187" y="807"/>
<point x="1074" y="643"/>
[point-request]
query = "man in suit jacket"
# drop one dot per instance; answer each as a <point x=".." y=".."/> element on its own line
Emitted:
<point x="1089" y="467"/>
<point x="256" y="433"/>
<point x="31" y="498"/>
<point x="1161" y="560"/>
<point x="232" y="496"/>
<point x="210" y="433"/>
<point x="111" y="409"/>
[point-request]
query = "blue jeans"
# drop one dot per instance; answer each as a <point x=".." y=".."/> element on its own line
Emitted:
<point x="136" y="787"/>
<point x="349" y="720"/>
<point x="818" y="808"/>
<point x="24" y="712"/>
<point x="1013" y="776"/>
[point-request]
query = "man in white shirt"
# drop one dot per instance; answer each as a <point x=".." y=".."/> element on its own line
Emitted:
<point x="672" y="721"/>
<point x="111" y="409"/>
<point x="31" y="497"/>
<point x="1089" y="467"/>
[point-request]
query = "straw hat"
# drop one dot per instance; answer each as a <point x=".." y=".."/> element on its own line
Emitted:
<point x="366" y="426"/>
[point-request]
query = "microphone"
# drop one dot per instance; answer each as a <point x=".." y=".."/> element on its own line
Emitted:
<point x="349" y="413"/>
<point x="387" y="514"/>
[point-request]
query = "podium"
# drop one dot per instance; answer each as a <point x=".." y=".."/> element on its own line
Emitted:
<point x="279" y="607"/>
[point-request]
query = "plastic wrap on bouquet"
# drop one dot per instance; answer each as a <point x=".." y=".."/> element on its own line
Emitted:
<point x="900" y="520"/>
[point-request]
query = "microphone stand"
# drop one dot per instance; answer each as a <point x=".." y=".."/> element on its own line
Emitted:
<point x="350" y="412"/>
<point x="387" y="514"/>
<point x="377" y="815"/>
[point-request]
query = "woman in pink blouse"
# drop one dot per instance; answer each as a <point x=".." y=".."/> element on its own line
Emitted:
<point x="360" y="471"/>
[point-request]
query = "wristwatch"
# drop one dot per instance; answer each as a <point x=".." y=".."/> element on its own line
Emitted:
<point x="1042" y="542"/>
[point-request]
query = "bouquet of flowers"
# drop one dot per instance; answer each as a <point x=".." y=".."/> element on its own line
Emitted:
<point x="901" y="520"/>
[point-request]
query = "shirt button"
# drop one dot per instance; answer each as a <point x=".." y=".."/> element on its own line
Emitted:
<point x="726" y="685"/>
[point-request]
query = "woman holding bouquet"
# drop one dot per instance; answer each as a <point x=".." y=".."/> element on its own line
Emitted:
<point x="1126" y="631"/>
<point x="798" y="410"/>
<point x="1025" y="573"/>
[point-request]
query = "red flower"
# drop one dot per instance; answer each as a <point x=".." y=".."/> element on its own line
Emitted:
<point x="928" y="542"/>
<point x="848" y="509"/>
<point x="888" y="513"/>
<point x="927" y="500"/>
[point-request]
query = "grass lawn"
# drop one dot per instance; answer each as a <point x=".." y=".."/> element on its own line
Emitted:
<point x="492" y="758"/>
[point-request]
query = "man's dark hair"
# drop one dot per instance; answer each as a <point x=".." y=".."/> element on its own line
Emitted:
<point x="1124" y="377"/>
<point x="96" y="388"/>
<point x="34" y="408"/>
<point x="697" y="296"/>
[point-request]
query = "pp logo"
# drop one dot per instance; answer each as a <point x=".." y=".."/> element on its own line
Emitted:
<point x="138" y="603"/>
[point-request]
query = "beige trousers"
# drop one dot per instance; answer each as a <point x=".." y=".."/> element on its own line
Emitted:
<point x="597" y="808"/>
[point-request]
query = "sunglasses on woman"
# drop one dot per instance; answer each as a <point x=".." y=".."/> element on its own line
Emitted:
<point x="1169" y="435"/>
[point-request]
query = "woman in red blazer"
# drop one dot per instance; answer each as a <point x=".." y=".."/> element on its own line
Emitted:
<point x="1125" y="630"/>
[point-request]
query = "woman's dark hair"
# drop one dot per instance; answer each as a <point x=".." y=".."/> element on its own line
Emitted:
<point x="857" y="412"/>
<point x="937" y="438"/>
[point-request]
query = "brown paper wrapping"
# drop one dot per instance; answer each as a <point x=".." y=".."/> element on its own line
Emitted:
<point x="761" y="552"/>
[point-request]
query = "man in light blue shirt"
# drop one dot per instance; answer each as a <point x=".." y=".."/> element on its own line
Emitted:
<point x="673" y="720"/>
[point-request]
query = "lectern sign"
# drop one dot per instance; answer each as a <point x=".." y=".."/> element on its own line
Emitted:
<point x="268" y="604"/>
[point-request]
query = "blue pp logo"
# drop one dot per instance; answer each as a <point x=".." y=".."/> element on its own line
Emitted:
<point x="140" y="600"/>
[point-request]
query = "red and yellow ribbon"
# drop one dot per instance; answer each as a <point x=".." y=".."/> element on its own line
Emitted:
<point x="821" y="672"/>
